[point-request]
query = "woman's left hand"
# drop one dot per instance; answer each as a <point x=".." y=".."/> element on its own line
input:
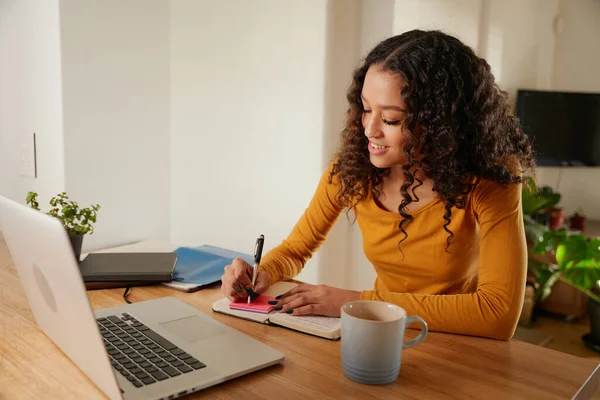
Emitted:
<point x="305" y="299"/>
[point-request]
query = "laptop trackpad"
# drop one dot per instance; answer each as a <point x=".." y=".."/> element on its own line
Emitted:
<point x="192" y="329"/>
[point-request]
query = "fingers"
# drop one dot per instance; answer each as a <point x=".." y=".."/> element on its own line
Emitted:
<point x="236" y="280"/>
<point x="239" y="290"/>
<point x="242" y="272"/>
<point x="294" y="301"/>
<point x="309" y="309"/>
<point x="303" y="299"/>
<point x="232" y="289"/>
<point x="301" y="288"/>
<point x="262" y="282"/>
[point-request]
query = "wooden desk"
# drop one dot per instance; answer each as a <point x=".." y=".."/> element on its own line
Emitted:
<point x="442" y="367"/>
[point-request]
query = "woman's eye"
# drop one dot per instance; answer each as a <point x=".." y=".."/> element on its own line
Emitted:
<point x="365" y="111"/>
<point x="385" y="121"/>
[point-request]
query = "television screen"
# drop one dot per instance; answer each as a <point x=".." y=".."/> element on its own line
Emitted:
<point x="565" y="127"/>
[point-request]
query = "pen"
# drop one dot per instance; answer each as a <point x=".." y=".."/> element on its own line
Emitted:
<point x="257" y="255"/>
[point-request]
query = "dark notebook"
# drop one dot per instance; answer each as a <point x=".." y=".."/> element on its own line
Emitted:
<point x="123" y="267"/>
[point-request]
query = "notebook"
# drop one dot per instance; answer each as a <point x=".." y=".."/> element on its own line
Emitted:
<point x="325" y="327"/>
<point x="133" y="267"/>
<point x="259" y="305"/>
<point x="200" y="266"/>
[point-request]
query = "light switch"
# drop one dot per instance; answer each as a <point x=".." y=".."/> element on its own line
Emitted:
<point x="27" y="155"/>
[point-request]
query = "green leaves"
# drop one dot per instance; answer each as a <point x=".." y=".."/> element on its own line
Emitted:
<point x="533" y="230"/>
<point x="549" y="241"/>
<point x="545" y="277"/>
<point x="32" y="200"/>
<point x="76" y="220"/>
<point x="551" y="279"/>
<point x="579" y="260"/>
<point x="535" y="200"/>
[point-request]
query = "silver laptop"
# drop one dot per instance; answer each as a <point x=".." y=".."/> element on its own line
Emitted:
<point x="156" y="349"/>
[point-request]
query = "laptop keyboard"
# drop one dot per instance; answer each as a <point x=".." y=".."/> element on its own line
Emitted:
<point x="142" y="355"/>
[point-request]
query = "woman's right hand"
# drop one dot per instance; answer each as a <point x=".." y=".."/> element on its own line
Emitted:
<point x="237" y="279"/>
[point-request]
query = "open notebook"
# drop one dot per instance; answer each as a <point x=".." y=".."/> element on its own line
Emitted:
<point x="325" y="327"/>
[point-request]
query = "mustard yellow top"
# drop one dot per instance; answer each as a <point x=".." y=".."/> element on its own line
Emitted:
<point x="474" y="288"/>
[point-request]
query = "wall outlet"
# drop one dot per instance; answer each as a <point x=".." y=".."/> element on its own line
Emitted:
<point x="27" y="155"/>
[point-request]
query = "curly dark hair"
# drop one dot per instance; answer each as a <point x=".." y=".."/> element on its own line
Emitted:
<point x="466" y="128"/>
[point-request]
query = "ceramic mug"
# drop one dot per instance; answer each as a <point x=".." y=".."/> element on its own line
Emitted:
<point x="373" y="340"/>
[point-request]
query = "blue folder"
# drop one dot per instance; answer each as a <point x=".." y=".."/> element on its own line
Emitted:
<point x="204" y="265"/>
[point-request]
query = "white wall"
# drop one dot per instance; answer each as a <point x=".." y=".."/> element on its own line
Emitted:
<point x="30" y="96"/>
<point x="376" y="23"/>
<point x="115" y="62"/>
<point x="456" y="17"/>
<point x="519" y="43"/>
<point x="247" y="119"/>
<point x="577" y="54"/>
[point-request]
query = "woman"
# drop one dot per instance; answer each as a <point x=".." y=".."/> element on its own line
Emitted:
<point x="431" y="162"/>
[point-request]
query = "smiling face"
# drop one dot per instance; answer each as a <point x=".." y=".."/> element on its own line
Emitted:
<point x="384" y="111"/>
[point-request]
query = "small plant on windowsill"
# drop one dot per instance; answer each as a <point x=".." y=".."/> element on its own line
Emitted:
<point x="77" y="221"/>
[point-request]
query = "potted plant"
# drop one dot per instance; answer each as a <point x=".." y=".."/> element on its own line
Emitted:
<point x="578" y="263"/>
<point x="77" y="221"/>
<point x="577" y="220"/>
<point x="556" y="217"/>
<point x="542" y="275"/>
<point x="535" y="203"/>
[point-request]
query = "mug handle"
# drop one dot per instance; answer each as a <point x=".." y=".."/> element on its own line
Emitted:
<point x="409" y="320"/>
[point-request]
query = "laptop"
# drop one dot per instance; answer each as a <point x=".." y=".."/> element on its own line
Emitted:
<point x="155" y="349"/>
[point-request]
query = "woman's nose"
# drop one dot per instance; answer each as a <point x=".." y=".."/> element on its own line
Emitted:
<point x="371" y="127"/>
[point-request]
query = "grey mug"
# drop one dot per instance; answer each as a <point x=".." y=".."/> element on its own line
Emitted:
<point x="373" y="340"/>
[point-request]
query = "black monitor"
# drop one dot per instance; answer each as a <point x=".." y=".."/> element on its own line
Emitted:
<point x="565" y="126"/>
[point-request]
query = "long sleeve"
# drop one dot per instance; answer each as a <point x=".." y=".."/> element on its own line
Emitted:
<point x="493" y="309"/>
<point x="287" y="260"/>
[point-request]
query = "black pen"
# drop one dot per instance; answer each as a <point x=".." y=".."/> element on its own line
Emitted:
<point x="257" y="255"/>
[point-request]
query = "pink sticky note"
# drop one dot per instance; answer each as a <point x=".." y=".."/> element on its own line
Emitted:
<point x="259" y="305"/>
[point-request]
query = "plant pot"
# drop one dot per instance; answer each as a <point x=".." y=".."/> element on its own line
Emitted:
<point x="577" y="222"/>
<point x="76" y="242"/>
<point x="592" y="339"/>
<point x="594" y="315"/>
<point x="556" y="218"/>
